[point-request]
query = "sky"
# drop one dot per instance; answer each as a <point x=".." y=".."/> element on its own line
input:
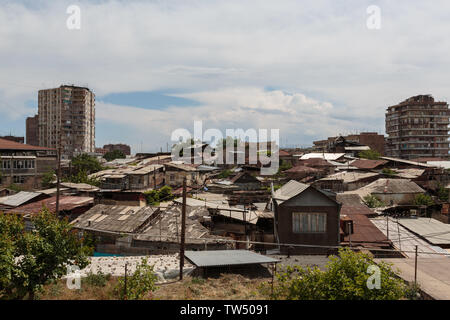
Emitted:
<point x="311" y="69"/>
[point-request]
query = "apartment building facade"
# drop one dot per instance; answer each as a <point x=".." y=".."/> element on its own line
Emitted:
<point x="32" y="130"/>
<point x="67" y="113"/>
<point x="24" y="165"/>
<point x="418" y="127"/>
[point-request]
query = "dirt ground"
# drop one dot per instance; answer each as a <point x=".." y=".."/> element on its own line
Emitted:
<point x="225" y="286"/>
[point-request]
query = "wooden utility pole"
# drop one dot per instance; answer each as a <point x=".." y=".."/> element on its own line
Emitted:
<point x="183" y="229"/>
<point x="125" y="284"/>
<point x="58" y="175"/>
<point x="387" y="226"/>
<point x="415" y="268"/>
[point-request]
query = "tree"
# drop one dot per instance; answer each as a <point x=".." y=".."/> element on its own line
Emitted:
<point x="139" y="284"/>
<point x="373" y="202"/>
<point x="423" y="200"/>
<point x="82" y="166"/>
<point x="154" y="197"/>
<point x="442" y="193"/>
<point x="346" y="277"/>
<point x="32" y="259"/>
<point x="369" y="154"/>
<point x="48" y="178"/>
<point x="85" y="163"/>
<point x="389" y="172"/>
<point x="115" y="154"/>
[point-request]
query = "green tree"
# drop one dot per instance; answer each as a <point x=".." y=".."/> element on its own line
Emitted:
<point x="85" y="163"/>
<point x="115" y="154"/>
<point x="423" y="200"/>
<point x="388" y="172"/>
<point x="154" y="197"/>
<point x="442" y="193"/>
<point x="369" y="154"/>
<point x="346" y="278"/>
<point x="35" y="258"/>
<point x="224" y="174"/>
<point x="373" y="202"/>
<point x="139" y="284"/>
<point x="48" y="178"/>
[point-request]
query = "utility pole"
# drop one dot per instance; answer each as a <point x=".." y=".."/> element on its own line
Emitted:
<point x="183" y="229"/>
<point x="58" y="175"/>
<point x="387" y="226"/>
<point x="125" y="285"/>
<point x="415" y="268"/>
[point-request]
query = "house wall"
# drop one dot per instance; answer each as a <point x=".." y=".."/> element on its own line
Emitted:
<point x="397" y="198"/>
<point x="308" y="201"/>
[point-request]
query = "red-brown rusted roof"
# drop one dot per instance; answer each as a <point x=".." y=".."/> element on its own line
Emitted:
<point x="12" y="145"/>
<point x="66" y="203"/>
<point x="368" y="164"/>
<point x="302" y="169"/>
<point x="315" y="162"/>
<point x="365" y="232"/>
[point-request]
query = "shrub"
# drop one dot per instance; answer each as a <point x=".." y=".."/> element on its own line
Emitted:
<point x="139" y="284"/>
<point x="98" y="280"/>
<point x="346" y="278"/>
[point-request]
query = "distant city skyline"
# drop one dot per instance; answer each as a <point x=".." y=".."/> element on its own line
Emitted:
<point x="312" y="69"/>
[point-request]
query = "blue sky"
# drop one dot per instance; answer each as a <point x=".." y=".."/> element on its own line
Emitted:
<point x="310" y="68"/>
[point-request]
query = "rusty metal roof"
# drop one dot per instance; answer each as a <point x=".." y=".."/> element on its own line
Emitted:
<point x="113" y="218"/>
<point x="217" y="258"/>
<point x="66" y="203"/>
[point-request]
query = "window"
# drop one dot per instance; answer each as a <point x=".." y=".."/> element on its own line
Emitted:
<point x="309" y="222"/>
<point x="19" y="179"/>
<point x="172" y="177"/>
<point x="6" y="164"/>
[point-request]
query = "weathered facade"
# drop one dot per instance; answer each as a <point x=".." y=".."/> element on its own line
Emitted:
<point x="309" y="218"/>
<point x="67" y="113"/>
<point x="418" y="127"/>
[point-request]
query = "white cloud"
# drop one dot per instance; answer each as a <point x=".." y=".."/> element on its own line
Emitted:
<point x="320" y="50"/>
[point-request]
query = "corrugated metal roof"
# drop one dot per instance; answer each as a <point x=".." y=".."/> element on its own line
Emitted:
<point x="414" y="163"/>
<point x="349" y="176"/>
<point x="432" y="230"/>
<point x="217" y="258"/>
<point x="326" y="156"/>
<point x="388" y="186"/>
<point x="125" y="219"/>
<point x="66" y="203"/>
<point x="289" y="190"/>
<point x="19" y="198"/>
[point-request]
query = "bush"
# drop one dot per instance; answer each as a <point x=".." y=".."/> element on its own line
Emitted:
<point x="346" y="278"/>
<point x="98" y="280"/>
<point x="139" y="284"/>
<point x="373" y="202"/>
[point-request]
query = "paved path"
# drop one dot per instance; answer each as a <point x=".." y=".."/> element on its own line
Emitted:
<point x="433" y="274"/>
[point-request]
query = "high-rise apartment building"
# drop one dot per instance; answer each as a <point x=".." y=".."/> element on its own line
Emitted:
<point x="418" y="127"/>
<point x="67" y="112"/>
<point x="32" y="130"/>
